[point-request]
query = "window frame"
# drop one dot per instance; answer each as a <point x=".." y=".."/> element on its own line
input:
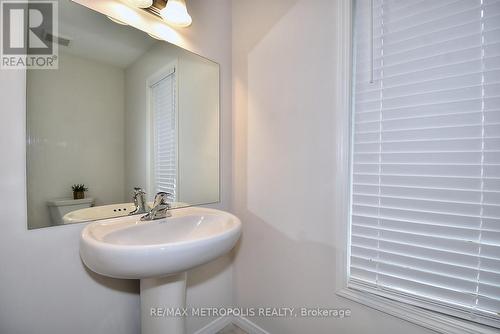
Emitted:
<point x="433" y="320"/>
<point x="169" y="69"/>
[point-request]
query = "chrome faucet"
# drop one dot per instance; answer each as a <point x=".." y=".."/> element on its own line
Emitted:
<point x="160" y="207"/>
<point x="139" y="201"/>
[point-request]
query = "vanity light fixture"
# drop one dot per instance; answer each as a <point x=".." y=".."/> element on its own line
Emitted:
<point x="175" y="13"/>
<point x="141" y="3"/>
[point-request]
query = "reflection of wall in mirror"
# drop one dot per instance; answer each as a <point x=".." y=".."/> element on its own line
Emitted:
<point x="75" y="134"/>
<point x="198" y="92"/>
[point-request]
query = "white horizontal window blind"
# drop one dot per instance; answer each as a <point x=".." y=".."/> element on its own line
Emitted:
<point x="165" y="135"/>
<point x="425" y="214"/>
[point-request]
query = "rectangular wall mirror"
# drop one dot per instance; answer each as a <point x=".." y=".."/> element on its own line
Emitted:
<point x="123" y="111"/>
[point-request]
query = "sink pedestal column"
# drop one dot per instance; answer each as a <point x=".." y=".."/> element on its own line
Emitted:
<point x="160" y="297"/>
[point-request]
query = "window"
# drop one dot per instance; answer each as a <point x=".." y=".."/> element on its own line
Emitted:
<point x="425" y="171"/>
<point x="164" y="126"/>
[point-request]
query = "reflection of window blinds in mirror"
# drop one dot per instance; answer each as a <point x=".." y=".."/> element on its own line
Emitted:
<point x="165" y="135"/>
<point x="426" y="155"/>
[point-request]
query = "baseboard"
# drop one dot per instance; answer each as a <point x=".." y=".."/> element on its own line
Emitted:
<point x="248" y="326"/>
<point x="215" y="326"/>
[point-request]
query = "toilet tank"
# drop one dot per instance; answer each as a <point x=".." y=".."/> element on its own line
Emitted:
<point x="59" y="207"/>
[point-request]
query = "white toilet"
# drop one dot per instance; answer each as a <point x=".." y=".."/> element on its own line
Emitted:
<point x="58" y="208"/>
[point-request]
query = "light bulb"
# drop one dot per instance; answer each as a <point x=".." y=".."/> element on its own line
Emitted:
<point x="141" y="3"/>
<point x="176" y="14"/>
<point x="117" y="21"/>
<point x="155" y="37"/>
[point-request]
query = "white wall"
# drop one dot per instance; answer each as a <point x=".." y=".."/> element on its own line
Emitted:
<point x="198" y="117"/>
<point x="198" y="130"/>
<point x="284" y="59"/>
<point x="77" y="117"/>
<point x="44" y="287"/>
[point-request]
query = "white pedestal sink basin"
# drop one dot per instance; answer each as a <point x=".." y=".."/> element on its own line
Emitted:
<point x="158" y="253"/>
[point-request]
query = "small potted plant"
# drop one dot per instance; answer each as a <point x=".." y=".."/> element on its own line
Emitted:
<point x="79" y="191"/>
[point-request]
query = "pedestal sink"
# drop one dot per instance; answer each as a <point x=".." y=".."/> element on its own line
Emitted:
<point x="159" y="253"/>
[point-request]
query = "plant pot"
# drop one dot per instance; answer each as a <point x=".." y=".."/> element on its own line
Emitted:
<point x="78" y="194"/>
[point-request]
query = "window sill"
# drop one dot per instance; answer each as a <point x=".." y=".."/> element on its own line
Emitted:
<point x="432" y="320"/>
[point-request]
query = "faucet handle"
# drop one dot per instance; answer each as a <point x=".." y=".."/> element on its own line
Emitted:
<point x="161" y="198"/>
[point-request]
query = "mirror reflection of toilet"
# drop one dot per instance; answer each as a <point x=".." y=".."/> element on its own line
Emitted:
<point x="58" y="208"/>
